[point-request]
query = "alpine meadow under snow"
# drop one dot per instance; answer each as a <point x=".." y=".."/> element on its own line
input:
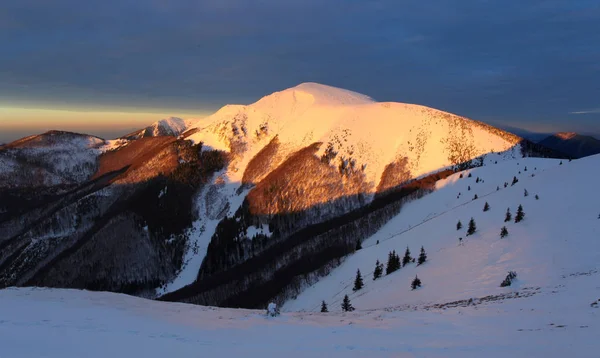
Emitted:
<point x="294" y="199"/>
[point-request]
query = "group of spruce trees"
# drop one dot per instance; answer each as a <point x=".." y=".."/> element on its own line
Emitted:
<point x="504" y="231"/>
<point x="394" y="263"/>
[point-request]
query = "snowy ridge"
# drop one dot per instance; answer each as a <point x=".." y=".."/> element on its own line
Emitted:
<point x="172" y="126"/>
<point x="59" y="158"/>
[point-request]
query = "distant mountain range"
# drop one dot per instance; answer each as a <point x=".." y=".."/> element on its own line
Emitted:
<point x="572" y="144"/>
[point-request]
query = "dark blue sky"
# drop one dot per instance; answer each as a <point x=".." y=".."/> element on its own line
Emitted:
<point x="532" y="64"/>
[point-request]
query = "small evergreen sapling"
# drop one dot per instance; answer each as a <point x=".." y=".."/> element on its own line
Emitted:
<point x="509" y="279"/>
<point x="358" y="281"/>
<point x="458" y="225"/>
<point x="346" y="305"/>
<point x="515" y="181"/>
<point x="475" y="197"/>
<point x="422" y="257"/>
<point x="324" y="307"/>
<point x="407" y="258"/>
<point x="520" y="214"/>
<point x="537" y="197"/>
<point x="415" y="283"/>
<point x="525" y="193"/>
<point x="503" y="232"/>
<point x="486" y="207"/>
<point x="508" y="216"/>
<point x="378" y="270"/>
<point x="469" y="175"/>
<point x="472" y="227"/>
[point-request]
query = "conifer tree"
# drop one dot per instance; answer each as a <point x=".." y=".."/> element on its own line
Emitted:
<point x="469" y="175"/>
<point x="458" y="225"/>
<point x="422" y="257"/>
<point x="537" y="197"/>
<point x="346" y="305"/>
<point x="508" y="216"/>
<point x="358" y="281"/>
<point x="472" y="227"/>
<point x="407" y="258"/>
<point x="525" y="193"/>
<point x="497" y="188"/>
<point x="415" y="283"/>
<point x="390" y="263"/>
<point x="515" y="181"/>
<point x="475" y="197"/>
<point x="378" y="270"/>
<point x="324" y="307"/>
<point x="520" y="214"/>
<point x="503" y="232"/>
<point x="486" y="207"/>
<point x="477" y="180"/>
<point x="469" y="187"/>
<point x="358" y="246"/>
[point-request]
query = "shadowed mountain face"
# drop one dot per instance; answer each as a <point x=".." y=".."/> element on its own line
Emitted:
<point x="572" y="144"/>
<point x="251" y="206"/>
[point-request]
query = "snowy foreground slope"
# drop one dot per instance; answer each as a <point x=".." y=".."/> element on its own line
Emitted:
<point x="551" y="310"/>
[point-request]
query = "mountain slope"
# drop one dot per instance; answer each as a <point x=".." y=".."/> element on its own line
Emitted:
<point x="572" y="144"/>
<point x="312" y="153"/>
<point x="557" y="239"/>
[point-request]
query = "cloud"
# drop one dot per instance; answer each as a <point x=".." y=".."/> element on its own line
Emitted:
<point x="590" y="111"/>
<point x="509" y="60"/>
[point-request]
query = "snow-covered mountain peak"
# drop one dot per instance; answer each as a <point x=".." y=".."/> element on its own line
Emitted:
<point x="353" y="128"/>
<point x="310" y="93"/>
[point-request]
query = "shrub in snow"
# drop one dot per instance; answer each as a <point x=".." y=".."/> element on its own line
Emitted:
<point x="459" y="225"/>
<point x="537" y="197"/>
<point x="407" y="258"/>
<point x="486" y="207"/>
<point x="525" y="193"/>
<point x="346" y="305"/>
<point x="324" y="307"/>
<point x="503" y="232"/>
<point x="415" y="283"/>
<point x="469" y="175"/>
<point x="475" y="197"/>
<point x="272" y="310"/>
<point x="520" y="214"/>
<point x="358" y="281"/>
<point x="422" y="257"/>
<point x="515" y="181"/>
<point x="508" y="216"/>
<point x="378" y="270"/>
<point x="472" y="227"/>
<point x="509" y="279"/>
